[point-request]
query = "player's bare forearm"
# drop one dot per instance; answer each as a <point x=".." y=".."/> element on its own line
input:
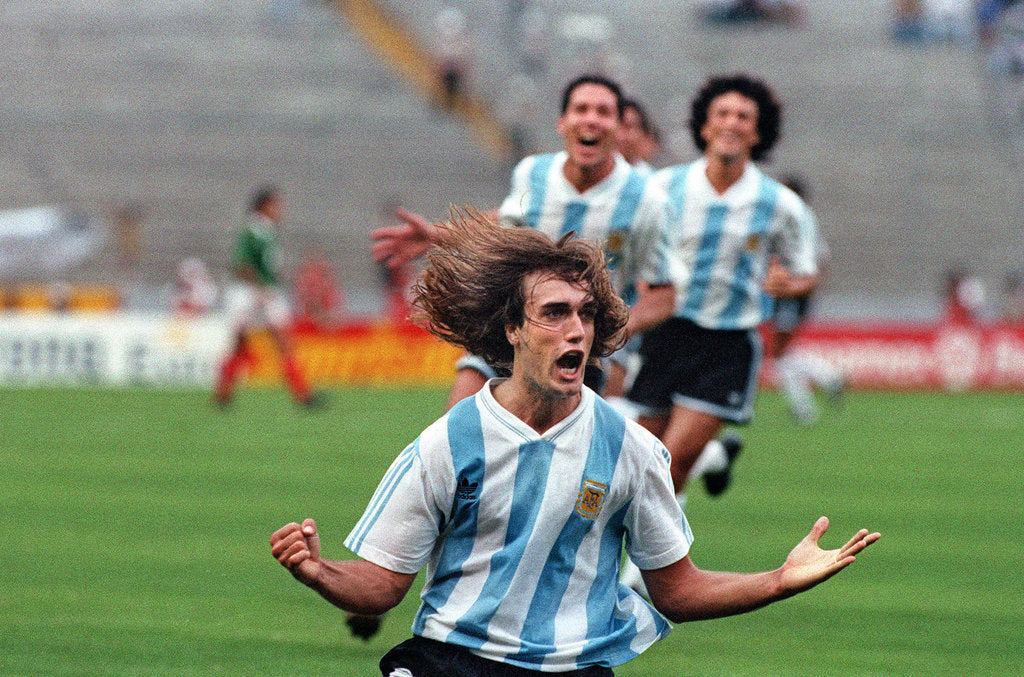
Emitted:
<point x="357" y="585"/>
<point x="781" y="283"/>
<point x="682" y="592"/>
<point x="361" y="587"/>
<point x="654" y="306"/>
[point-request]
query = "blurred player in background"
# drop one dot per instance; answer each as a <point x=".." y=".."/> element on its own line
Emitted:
<point x="319" y="299"/>
<point x="963" y="297"/>
<point x="194" y="293"/>
<point x="520" y="499"/>
<point x="638" y="143"/>
<point x="636" y="139"/>
<point x="588" y="188"/>
<point x="700" y="368"/>
<point x="257" y="302"/>
<point x="799" y="373"/>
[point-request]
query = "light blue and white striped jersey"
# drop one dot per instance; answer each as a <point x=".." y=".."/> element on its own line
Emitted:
<point x="725" y="242"/>
<point x="521" y="532"/>
<point x="624" y="212"/>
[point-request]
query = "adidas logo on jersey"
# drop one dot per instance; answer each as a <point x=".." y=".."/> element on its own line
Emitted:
<point x="465" y="489"/>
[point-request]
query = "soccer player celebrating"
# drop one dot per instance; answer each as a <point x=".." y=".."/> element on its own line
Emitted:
<point x="700" y="368"/>
<point x="257" y="302"/>
<point x="799" y="373"/>
<point x="519" y="500"/>
<point x="589" y="189"/>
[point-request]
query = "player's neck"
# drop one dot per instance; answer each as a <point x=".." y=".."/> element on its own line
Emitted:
<point x="723" y="172"/>
<point x="583" y="178"/>
<point x="539" y="412"/>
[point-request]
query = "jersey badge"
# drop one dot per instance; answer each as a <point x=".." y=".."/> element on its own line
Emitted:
<point x="613" y="246"/>
<point x="591" y="498"/>
<point x="753" y="243"/>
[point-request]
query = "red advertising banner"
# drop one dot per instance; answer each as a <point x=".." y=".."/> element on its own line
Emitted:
<point x="950" y="357"/>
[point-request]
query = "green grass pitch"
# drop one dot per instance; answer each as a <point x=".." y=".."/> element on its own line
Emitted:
<point x="135" y="534"/>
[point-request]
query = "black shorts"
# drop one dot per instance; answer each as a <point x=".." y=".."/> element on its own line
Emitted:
<point x="788" y="314"/>
<point x="709" y="370"/>
<point x="429" y="658"/>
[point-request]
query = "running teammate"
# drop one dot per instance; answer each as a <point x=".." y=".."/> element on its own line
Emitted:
<point x="799" y="373"/>
<point x="588" y="188"/>
<point x="520" y="499"/>
<point x="700" y="368"/>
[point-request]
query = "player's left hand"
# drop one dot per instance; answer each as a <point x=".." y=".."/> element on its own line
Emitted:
<point x="807" y="564"/>
<point x="777" y="281"/>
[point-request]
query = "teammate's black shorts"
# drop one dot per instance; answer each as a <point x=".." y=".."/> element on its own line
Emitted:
<point x="429" y="658"/>
<point x="788" y="314"/>
<point x="709" y="370"/>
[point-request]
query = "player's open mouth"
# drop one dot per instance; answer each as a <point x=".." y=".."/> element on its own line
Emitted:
<point x="570" y="362"/>
<point x="588" y="141"/>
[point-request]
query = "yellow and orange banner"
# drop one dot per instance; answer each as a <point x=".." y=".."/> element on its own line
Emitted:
<point x="372" y="354"/>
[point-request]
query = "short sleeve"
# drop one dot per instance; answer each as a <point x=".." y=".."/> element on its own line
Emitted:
<point x="799" y="237"/>
<point x="658" y="533"/>
<point x="402" y="522"/>
<point x="512" y="211"/>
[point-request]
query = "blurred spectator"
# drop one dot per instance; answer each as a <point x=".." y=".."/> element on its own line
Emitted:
<point x="395" y="281"/>
<point x="60" y="296"/>
<point x="519" y="107"/>
<point x="1013" y="298"/>
<point x="128" y="236"/>
<point x="452" y="56"/>
<point x="989" y="13"/>
<point x="948" y="20"/>
<point x="963" y="297"/>
<point x="194" y="293"/>
<point x="534" y="43"/>
<point x="738" y="11"/>
<point x="1001" y="34"/>
<point x="908" y="22"/>
<point x="319" y="300"/>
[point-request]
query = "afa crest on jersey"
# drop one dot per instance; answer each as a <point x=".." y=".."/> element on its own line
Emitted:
<point x="614" y="245"/>
<point x="753" y="243"/>
<point x="591" y="498"/>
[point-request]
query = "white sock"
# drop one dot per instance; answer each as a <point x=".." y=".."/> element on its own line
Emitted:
<point x="818" y="371"/>
<point x="795" y="386"/>
<point x="712" y="459"/>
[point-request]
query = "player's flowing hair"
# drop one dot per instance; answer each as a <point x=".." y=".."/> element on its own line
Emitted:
<point x="472" y="289"/>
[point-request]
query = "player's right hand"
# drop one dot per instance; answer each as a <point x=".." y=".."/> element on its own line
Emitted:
<point x="398" y="245"/>
<point x="297" y="548"/>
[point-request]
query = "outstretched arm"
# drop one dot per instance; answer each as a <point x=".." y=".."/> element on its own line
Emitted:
<point x="781" y="283"/>
<point x="683" y="592"/>
<point x="398" y="245"/>
<point x="654" y="305"/>
<point x="357" y="585"/>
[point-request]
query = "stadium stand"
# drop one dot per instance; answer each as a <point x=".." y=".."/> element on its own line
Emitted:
<point x="180" y="108"/>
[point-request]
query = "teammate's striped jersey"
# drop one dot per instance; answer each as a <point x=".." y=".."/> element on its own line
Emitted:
<point x="725" y="242"/>
<point x="522" y="532"/>
<point x="624" y="212"/>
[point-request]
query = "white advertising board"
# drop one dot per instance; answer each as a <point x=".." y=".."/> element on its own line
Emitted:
<point x="118" y="349"/>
